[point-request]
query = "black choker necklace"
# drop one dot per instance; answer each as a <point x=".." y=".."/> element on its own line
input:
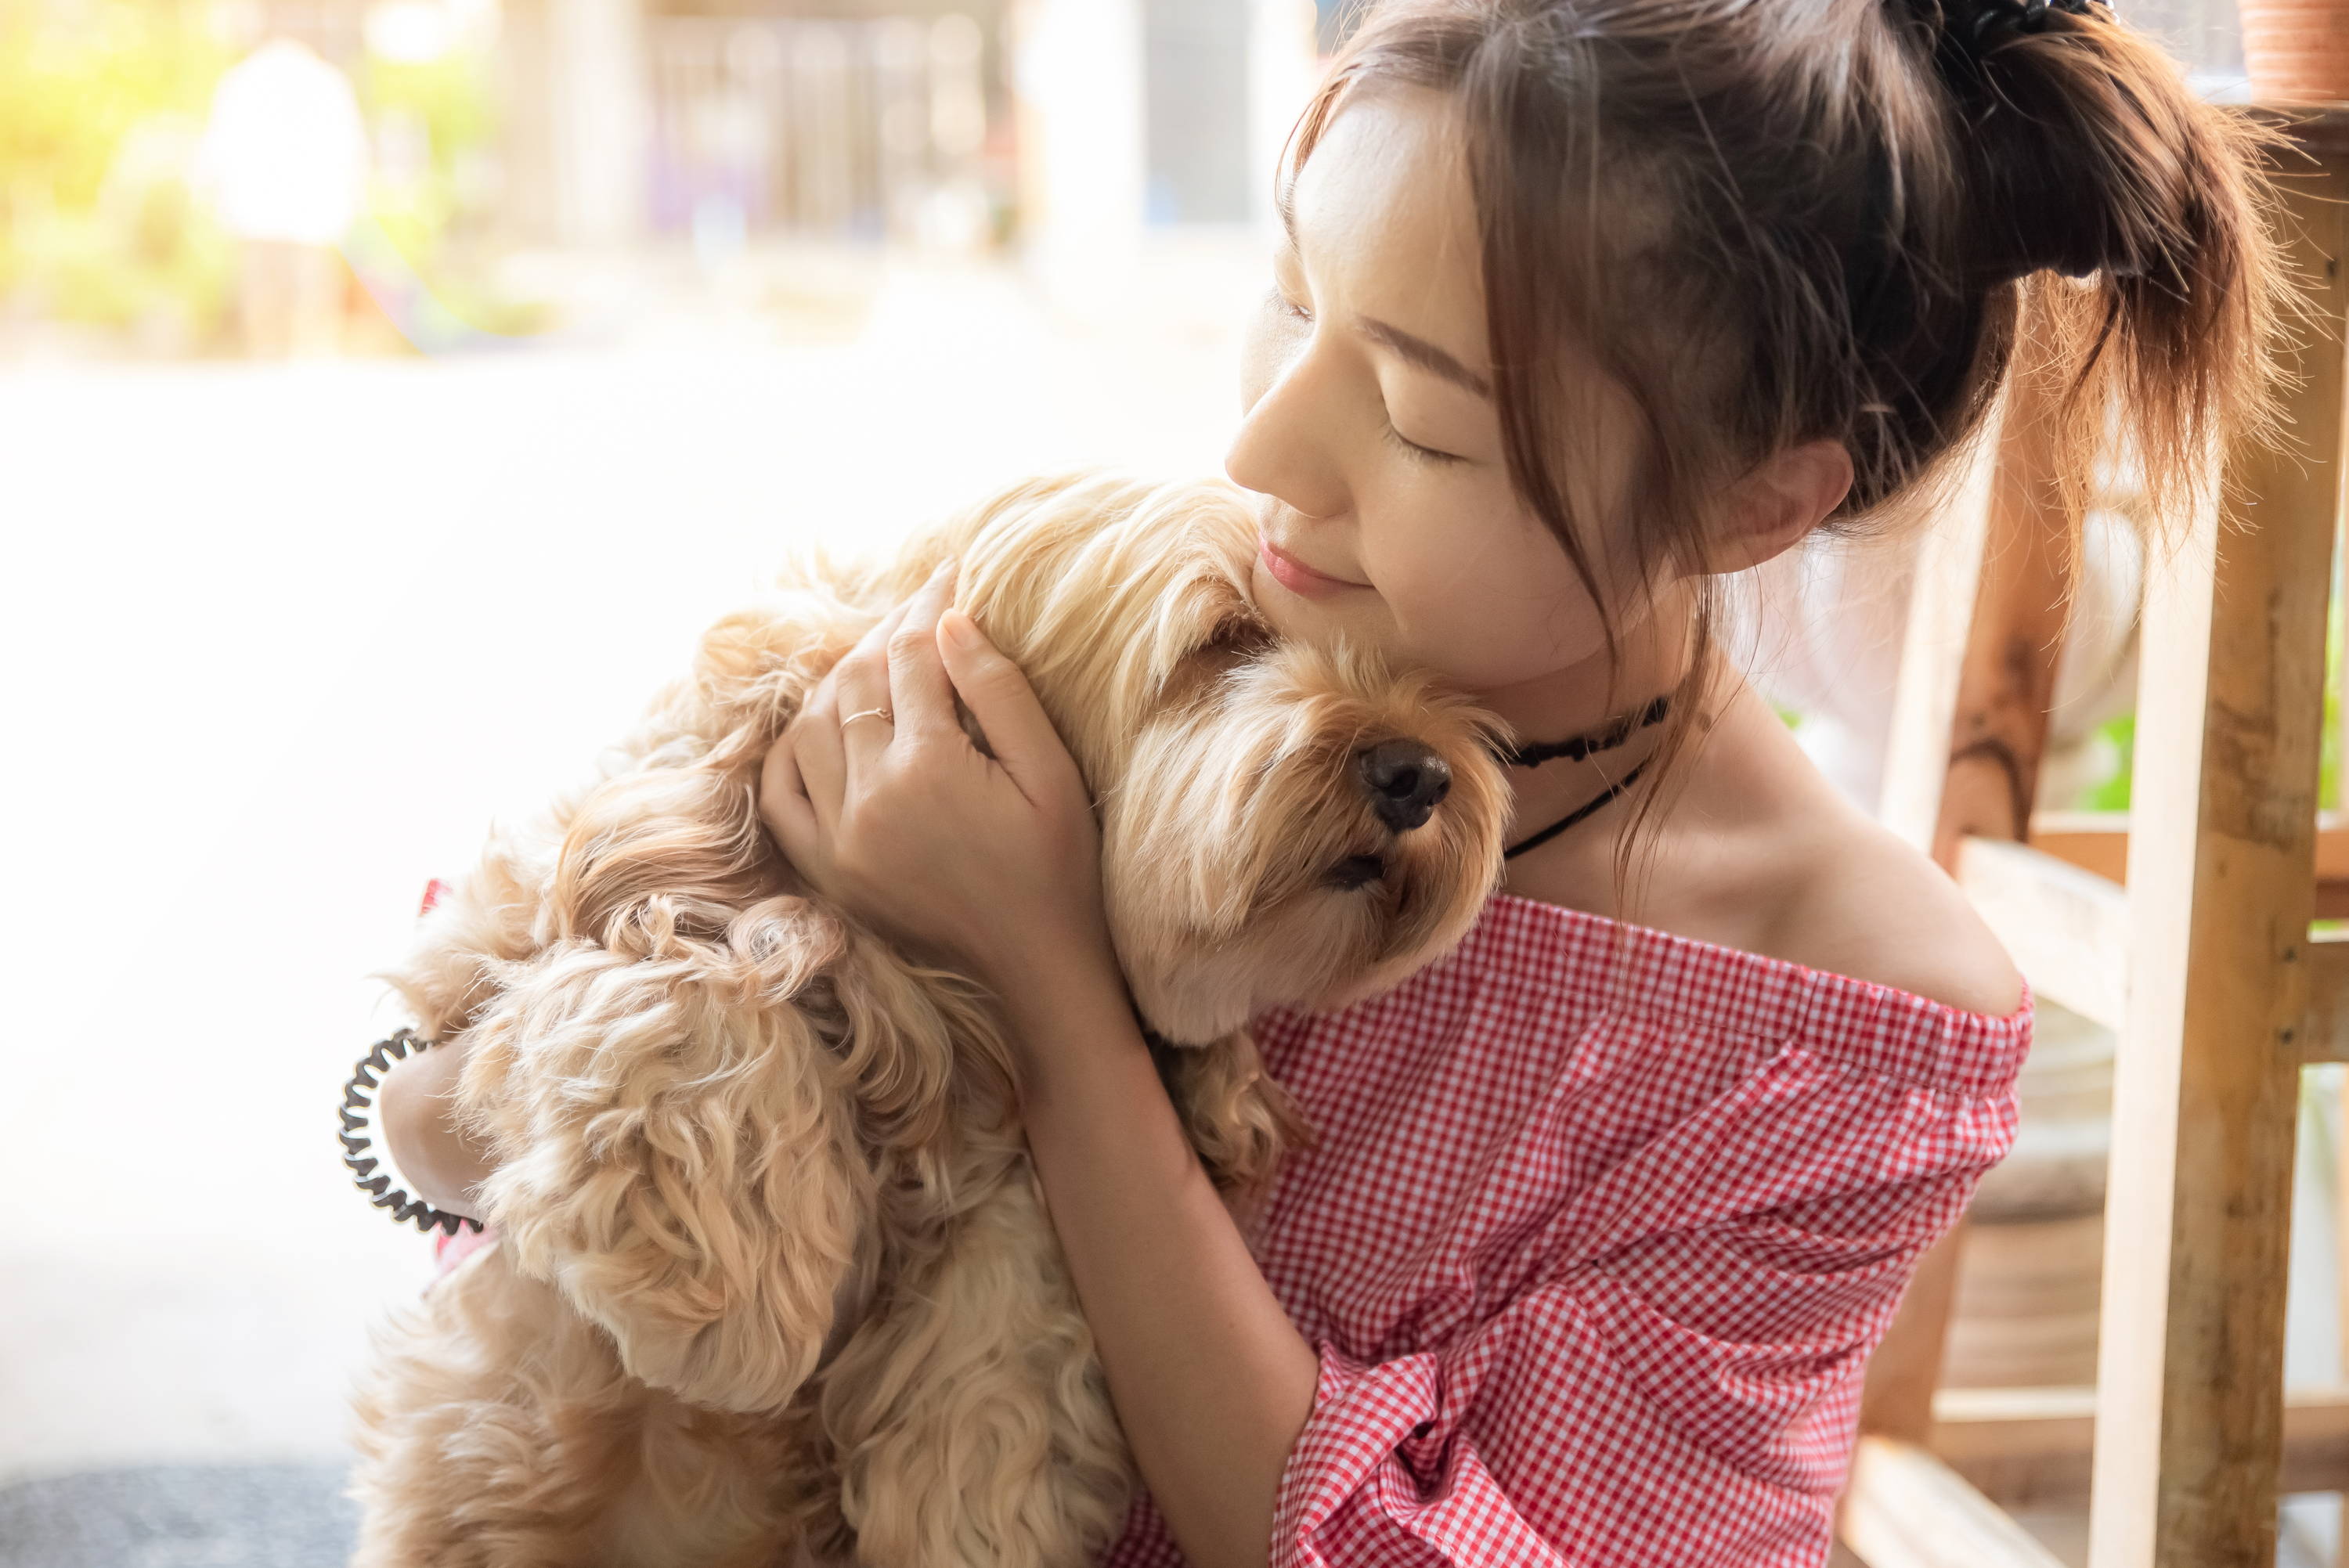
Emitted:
<point x="1584" y="810"/>
<point x="1575" y="748"/>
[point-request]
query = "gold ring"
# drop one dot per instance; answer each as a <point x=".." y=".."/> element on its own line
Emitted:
<point x="880" y="713"/>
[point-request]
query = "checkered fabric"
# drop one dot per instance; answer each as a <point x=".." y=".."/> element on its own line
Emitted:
<point x="1601" y="1228"/>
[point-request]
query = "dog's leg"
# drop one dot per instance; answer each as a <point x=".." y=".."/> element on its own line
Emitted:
<point x="971" y="1417"/>
<point x="710" y="1492"/>
<point x="494" y="1427"/>
<point x="497" y="1430"/>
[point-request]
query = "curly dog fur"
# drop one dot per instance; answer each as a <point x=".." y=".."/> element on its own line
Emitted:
<point x="773" y="1279"/>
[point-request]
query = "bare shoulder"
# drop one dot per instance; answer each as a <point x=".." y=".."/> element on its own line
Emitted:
<point x="1761" y="853"/>
<point x="1859" y="901"/>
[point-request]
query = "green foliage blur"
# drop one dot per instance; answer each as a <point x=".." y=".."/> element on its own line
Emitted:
<point x="434" y="122"/>
<point x="99" y="114"/>
<point x="70" y="91"/>
<point x="442" y="105"/>
<point x="102" y="106"/>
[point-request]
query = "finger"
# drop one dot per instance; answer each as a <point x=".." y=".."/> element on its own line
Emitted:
<point x="1018" y="731"/>
<point x="784" y="805"/>
<point x="860" y="685"/>
<point x="919" y="689"/>
<point x="814" y="741"/>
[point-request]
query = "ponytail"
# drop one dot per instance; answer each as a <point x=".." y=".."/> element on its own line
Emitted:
<point x="2137" y="222"/>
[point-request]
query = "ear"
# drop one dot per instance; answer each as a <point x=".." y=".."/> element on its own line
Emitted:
<point x="1777" y="503"/>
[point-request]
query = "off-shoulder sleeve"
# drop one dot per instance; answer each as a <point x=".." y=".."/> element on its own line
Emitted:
<point x="1676" y="1383"/>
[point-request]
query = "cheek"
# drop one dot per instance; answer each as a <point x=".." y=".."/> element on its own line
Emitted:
<point x="1489" y="605"/>
<point x="1487" y="633"/>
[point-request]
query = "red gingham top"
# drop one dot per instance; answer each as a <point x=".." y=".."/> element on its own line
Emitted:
<point x="1593" y="1256"/>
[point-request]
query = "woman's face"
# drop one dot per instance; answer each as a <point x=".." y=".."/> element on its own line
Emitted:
<point x="1370" y="434"/>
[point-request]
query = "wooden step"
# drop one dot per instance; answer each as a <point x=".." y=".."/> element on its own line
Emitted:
<point x="2325" y="1037"/>
<point x="2066" y="923"/>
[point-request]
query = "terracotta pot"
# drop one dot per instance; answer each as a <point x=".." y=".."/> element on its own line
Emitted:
<point x="2297" y="51"/>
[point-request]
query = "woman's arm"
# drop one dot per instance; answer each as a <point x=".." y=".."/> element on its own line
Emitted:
<point x="415" y="1117"/>
<point x="1211" y="1381"/>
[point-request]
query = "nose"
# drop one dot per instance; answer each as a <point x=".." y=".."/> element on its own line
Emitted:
<point x="1287" y="446"/>
<point x="1404" y="779"/>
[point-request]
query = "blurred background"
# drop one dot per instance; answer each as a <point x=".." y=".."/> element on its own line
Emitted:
<point x="390" y="391"/>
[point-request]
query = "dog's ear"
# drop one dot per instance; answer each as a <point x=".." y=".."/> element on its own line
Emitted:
<point x="1241" y="635"/>
<point x="768" y="654"/>
<point x="1238" y="1117"/>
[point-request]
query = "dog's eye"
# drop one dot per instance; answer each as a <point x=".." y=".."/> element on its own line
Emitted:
<point x="1355" y="871"/>
<point x="1235" y="643"/>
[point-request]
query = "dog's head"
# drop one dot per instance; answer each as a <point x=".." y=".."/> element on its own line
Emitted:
<point x="1281" y="825"/>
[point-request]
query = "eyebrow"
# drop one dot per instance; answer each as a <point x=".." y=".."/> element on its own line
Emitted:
<point x="1415" y="350"/>
<point x="1423" y="354"/>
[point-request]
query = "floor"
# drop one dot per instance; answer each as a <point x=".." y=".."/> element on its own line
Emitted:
<point x="195" y="1516"/>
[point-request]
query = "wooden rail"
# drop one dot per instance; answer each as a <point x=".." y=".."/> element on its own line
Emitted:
<point x="1907" y="1510"/>
<point x="2098" y="842"/>
<point x="2028" y="1447"/>
<point x="2066" y="928"/>
<point x="2205" y="1084"/>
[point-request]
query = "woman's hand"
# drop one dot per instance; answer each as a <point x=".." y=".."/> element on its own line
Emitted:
<point x="884" y="804"/>
<point x="416" y="1119"/>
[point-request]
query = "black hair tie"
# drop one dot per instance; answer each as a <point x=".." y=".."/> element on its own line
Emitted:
<point x="1982" y="23"/>
<point x="358" y="1153"/>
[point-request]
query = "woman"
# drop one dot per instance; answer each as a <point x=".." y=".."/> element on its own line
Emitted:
<point x="1581" y="308"/>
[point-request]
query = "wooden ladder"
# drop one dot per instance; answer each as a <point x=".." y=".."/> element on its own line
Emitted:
<point x="2185" y="927"/>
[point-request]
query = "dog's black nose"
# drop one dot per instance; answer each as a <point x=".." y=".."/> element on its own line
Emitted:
<point x="1404" y="780"/>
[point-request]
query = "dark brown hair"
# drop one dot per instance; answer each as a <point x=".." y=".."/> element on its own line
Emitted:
<point x="1770" y="223"/>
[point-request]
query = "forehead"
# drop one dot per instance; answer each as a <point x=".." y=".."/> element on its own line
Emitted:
<point x="1383" y="220"/>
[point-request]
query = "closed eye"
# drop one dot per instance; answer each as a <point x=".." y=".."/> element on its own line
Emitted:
<point x="1412" y="448"/>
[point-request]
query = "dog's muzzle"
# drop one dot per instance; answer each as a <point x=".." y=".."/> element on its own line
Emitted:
<point x="1405" y="781"/>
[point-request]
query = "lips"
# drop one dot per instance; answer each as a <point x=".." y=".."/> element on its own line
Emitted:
<point x="1299" y="578"/>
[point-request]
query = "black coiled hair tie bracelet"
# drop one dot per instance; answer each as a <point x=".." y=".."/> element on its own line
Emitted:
<point x="359" y="1154"/>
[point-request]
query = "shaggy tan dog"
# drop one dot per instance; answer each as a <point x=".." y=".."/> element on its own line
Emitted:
<point x="721" y="1106"/>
